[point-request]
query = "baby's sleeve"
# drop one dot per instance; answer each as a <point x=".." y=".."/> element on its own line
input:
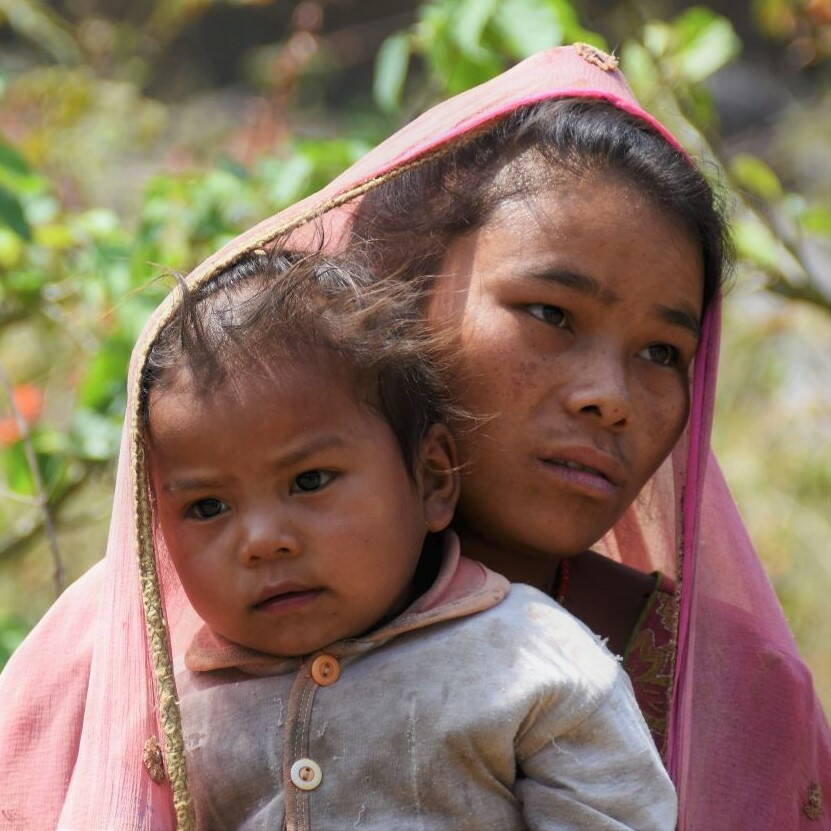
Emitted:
<point x="601" y="773"/>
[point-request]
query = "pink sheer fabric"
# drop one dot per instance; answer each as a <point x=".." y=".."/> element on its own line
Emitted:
<point x="748" y="744"/>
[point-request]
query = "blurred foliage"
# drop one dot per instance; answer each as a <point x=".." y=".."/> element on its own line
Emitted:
<point x="105" y="191"/>
<point x="805" y="25"/>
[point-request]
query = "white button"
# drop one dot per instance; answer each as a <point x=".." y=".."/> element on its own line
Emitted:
<point x="306" y="774"/>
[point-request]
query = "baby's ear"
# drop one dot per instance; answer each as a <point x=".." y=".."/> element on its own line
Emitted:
<point x="438" y="477"/>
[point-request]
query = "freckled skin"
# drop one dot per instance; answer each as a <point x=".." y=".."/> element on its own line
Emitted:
<point x="357" y="539"/>
<point x="586" y="375"/>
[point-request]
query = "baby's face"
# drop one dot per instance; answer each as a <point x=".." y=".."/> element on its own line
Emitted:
<point x="287" y="508"/>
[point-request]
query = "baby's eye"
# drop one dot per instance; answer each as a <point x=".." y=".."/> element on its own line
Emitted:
<point x="312" y="480"/>
<point x="207" y="509"/>
<point x="553" y="315"/>
<point x="661" y="353"/>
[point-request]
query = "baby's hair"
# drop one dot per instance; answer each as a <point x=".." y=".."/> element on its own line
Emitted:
<point x="287" y="307"/>
<point x="406" y="223"/>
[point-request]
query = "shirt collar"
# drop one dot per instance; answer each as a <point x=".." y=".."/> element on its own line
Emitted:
<point x="462" y="587"/>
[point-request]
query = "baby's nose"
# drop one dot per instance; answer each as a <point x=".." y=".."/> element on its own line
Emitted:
<point x="268" y="534"/>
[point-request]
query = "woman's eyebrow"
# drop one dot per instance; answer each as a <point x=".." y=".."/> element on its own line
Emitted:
<point x="686" y="319"/>
<point x="577" y="281"/>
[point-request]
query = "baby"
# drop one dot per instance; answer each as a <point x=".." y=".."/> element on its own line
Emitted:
<point x="353" y="669"/>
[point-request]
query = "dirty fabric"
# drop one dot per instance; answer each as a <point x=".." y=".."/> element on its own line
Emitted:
<point x="512" y="717"/>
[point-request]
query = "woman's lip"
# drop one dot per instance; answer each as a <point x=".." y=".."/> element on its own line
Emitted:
<point x="589" y="482"/>
<point x="285" y="598"/>
<point x="599" y="463"/>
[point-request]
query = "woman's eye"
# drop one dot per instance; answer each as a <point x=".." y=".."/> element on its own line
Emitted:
<point x="207" y="509"/>
<point x="661" y="353"/>
<point x="312" y="480"/>
<point x="553" y="315"/>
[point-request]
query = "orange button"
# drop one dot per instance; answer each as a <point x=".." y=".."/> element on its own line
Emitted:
<point x="325" y="670"/>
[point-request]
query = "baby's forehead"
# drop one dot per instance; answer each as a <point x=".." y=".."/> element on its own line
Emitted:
<point x="271" y="413"/>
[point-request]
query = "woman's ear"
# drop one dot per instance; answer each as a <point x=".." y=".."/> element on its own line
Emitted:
<point x="438" y="477"/>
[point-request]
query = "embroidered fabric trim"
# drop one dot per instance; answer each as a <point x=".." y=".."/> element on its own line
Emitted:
<point x="649" y="658"/>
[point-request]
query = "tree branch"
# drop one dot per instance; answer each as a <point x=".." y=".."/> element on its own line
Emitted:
<point x="29" y="527"/>
<point x="41" y="496"/>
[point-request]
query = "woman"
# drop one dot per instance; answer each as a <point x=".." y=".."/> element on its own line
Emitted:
<point x="746" y="744"/>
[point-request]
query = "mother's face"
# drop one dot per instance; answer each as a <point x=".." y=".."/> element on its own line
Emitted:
<point x="578" y="313"/>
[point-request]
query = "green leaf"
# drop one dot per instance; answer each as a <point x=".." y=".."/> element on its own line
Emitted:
<point x="15" y="469"/>
<point x="470" y="19"/>
<point x="55" y="236"/>
<point x="94" y="436"/>
<point x="391" y="71"/>
<point x="12" y="632"/>
<point x="11" y="214"/>
<point x="754" y="242"/>
<point x="639" y="68"/>
<point x="528" y="26"/>
<point x="816" y="219"/>
<point x="754" y="175"/>
<point x="706" y="42"/>
<point x="291" y="180"/>
<point x="104" y="381"/>
<point x="11" y="160"/>
<point x="11" y="248"/>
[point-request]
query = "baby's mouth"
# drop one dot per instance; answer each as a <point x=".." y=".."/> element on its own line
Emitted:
<point x="284" y="598"/>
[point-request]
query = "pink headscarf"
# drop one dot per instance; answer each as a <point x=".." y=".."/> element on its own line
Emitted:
<point x="89" y="697"/>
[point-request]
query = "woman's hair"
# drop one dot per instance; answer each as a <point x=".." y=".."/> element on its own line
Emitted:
<point x="405" y="224"/>
<point x="271" y="308"/>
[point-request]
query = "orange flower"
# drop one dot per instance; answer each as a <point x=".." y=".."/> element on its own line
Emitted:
<point x="28" y="401"/>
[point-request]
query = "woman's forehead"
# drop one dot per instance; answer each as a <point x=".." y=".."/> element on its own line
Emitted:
<point x="606" y="233"/>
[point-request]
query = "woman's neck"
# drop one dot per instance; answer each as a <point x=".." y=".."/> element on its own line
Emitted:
<point x="535" y="569"/>
<point x="607" y="596"/>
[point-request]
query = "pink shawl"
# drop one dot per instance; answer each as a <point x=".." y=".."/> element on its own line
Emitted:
<point x="90" y="693"/>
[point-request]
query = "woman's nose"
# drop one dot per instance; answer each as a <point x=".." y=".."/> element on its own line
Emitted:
<point x="600" y="392"/>
<point x="269" y="534"/>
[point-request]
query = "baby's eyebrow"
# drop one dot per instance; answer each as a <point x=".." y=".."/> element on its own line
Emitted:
<point x="326" y="441"/>
<point x="193" y="484"/>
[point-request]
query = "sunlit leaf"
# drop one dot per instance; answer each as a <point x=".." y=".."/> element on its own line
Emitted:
<point x="757" y="177"/>
<point x="657" y="37"/>
<point x="817" y="219"/>
<point x="755" y="242"/>
<point x="391" y="71"/>
<point x="706" y="43"/>
<point x="638" y="67"/>
<point x="57" y="237"/>
<point x="12" y="248"/>
<point x="528" y="26"/>
<point x="469" y="21"/>
<point x="14" y="466"/>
